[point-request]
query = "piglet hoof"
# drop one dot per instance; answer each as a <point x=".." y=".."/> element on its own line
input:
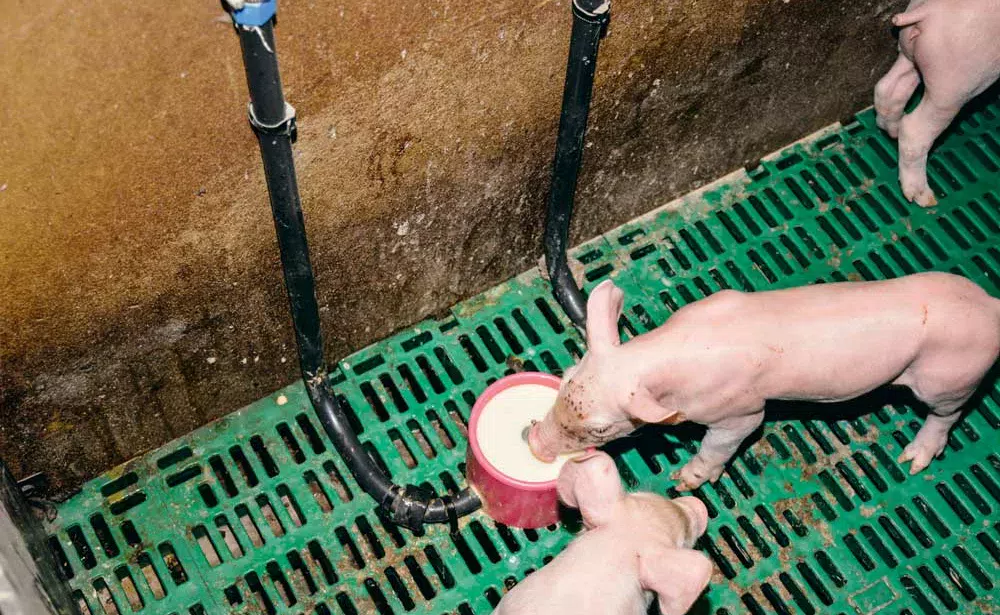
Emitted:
<point x="694" y="475"/>
<point x="925" y="198"/>
<point x="920" y="453"/>
<point x="889" y="126"/>
<point x="921" y="195"/>
<point x="683" y="485"/>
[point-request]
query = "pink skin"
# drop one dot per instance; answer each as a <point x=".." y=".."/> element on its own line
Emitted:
<point x="636" y="549"/>
<point x="717" y="360"/>
<point x="954" y="47"/>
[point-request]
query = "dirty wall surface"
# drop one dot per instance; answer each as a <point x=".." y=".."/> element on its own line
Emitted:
<point x="140" y="291"/>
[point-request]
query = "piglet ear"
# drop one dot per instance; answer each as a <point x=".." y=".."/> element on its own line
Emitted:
<point x="604" y="306"/>
<point x="646" y="408"/>
<point x="591" y="483"/>
<point x="678" y="576"/>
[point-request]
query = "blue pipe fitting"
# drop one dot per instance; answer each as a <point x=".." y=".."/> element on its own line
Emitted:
<point x="255" y="14"/>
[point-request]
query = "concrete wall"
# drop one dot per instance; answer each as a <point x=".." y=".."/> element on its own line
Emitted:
<point x="141" y="294"/>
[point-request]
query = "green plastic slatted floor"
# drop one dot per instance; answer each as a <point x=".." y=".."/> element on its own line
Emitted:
<point x="255" y="514"/>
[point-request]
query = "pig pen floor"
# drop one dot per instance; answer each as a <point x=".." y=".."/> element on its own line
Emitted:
<point x="255" y="514"/>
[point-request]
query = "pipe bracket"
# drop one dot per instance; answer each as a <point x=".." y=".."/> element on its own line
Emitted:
<point x="286" y="127"/>
<point x="599" y="15"/>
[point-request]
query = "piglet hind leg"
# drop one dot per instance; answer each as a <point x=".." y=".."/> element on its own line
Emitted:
<point x="917" y="133"/>
<point x="717" y="448"/>
<point x="892" y="93"/>
<point x="932" y="437"/>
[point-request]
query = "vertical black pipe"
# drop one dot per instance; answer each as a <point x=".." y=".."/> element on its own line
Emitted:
<point x="267" y="104"/>
<point x="274" y="124"/>
<point x="590" y="20"/>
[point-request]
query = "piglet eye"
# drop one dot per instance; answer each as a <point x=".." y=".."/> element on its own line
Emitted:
<point x="603" y="430"/>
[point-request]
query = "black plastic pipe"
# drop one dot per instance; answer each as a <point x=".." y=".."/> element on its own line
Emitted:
<point x="590" y="22"/>
<point x="274" y="122"/>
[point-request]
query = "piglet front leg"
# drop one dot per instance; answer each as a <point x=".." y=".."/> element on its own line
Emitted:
<point x="717" y="448"/>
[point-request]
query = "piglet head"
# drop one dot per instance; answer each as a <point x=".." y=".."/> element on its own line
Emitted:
<point x="591" y="483"/>
<point x="599" y="399"/>
<point x="668" y="565"/>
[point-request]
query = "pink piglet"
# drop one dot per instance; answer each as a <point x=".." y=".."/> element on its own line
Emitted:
<point x="636" y="548"/>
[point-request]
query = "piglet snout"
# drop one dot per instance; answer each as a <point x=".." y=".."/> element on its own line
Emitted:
<point x="696" y="513"/>
<point x="537" y="446"/>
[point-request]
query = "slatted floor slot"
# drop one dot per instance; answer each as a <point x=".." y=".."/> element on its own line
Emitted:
<point x="255" y="513"/>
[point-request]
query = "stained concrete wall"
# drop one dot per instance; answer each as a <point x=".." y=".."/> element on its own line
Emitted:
<point x="141" y="294"/>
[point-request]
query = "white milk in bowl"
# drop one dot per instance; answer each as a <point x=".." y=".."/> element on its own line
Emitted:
<point x="501" y="425"/>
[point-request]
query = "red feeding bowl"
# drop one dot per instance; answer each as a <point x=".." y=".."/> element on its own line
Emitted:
<point x="507" y="499"/>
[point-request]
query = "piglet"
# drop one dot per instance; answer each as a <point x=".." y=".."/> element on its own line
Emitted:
<point x="635" y="548"/>
<point x="717" y="360"/>
<point x="954" y="47"/>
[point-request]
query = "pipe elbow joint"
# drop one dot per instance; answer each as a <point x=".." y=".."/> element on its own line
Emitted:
<point x="408" y="506"/>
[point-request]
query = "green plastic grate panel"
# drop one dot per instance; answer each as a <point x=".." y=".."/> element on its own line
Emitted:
<point x="254" y="514"/>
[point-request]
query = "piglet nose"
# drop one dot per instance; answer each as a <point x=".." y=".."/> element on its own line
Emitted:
<point x="536" y="447"/>
<point x="696" y="512"/>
